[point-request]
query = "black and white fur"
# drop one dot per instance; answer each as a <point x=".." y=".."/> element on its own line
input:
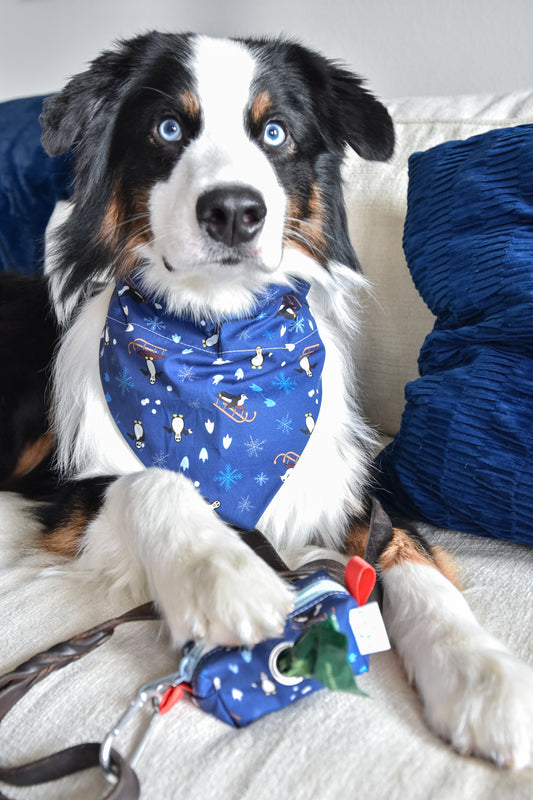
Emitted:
<point x="141" y="197"/>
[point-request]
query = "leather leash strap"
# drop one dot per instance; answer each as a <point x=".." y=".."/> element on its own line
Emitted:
<point x="69" y="761"/>
<point x="15" y="684"/>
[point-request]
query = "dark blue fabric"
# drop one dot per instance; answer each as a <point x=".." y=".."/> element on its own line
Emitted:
<point x="30" y="185"/>
<point x="232" y="405"/>
<point x="463" y="457"/>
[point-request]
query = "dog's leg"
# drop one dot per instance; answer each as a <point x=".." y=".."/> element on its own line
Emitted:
<point x="476" y="694"/>
<point x="155" y="532"/>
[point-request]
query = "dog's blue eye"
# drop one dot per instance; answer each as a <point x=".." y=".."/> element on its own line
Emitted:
<point x="274" y="134"/>
<point x="170" y="130"/>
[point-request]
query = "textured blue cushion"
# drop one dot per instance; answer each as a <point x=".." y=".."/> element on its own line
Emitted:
<point x="463" y="457"/>
<point x="30" y="185"/>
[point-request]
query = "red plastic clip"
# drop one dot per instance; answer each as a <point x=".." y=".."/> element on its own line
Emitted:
<point x="360" y="579"/>
<point x="172" y="696"/>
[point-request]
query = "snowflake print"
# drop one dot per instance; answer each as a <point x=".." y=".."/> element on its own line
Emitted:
<point x="254" y="446"/>
<point x="228" y="477"/>
<point x="269" y="335"/>
<point x="244" y="335"/>
<point x="261" y="479"/>
<point x="297" y="325"/>
<point x="285" y="424"/>
<point x="267" y="296"/>
<point x="284" y="383"/>
<point x="244" y="505"/>
<point x="154" y="324"/>
<point x="125" y="381"/>
<point x="160" y="460"/>
<point x="186" y="374"/>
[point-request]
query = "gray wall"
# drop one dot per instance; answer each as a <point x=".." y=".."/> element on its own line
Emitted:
<point x="404" y="47"/>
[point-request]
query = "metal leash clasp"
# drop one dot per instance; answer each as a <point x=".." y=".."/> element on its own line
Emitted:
<point x="163" y="697"/>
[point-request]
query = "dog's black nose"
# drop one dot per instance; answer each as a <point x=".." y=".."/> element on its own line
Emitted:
<point x="231" y="214"/>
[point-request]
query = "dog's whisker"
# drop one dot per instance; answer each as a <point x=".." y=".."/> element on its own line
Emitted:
<point x="131" y="242"/>
<point x="292" y="234"/>
<point x="161" y="92"/>
<point x="130" y="220"/>
<point x="300" y="222"/>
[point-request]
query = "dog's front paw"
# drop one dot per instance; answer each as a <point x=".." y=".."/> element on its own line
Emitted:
<point x="485" y="706"/>
<point x="230" y="597"/>
<point x="476" y="694"/>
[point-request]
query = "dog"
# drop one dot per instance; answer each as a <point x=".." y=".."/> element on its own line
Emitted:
<point x="205" y="293"/>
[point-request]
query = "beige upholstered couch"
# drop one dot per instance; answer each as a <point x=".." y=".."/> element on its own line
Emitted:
<point x="330" y="745"/>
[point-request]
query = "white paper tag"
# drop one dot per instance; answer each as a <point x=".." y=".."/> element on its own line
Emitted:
<point x="369" y="629"/>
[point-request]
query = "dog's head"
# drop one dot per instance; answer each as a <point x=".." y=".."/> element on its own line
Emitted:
<point x="209" y="159"/>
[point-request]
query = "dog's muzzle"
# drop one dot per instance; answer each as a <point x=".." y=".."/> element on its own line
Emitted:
<point x="231" y="215"/>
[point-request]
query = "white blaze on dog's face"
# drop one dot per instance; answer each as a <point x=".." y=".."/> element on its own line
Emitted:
<point x="210" y="161"/>
<point x="221" y="212"/>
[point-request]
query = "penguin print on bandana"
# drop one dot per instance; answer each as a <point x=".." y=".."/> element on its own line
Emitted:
<point x="221" y="402"/>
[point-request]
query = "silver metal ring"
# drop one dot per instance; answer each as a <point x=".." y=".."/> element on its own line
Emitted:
<point x="279" y="677"/>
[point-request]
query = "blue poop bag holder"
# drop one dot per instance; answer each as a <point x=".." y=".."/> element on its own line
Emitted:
<point x="238" y="686"/>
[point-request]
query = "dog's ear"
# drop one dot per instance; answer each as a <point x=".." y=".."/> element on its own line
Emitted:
<point x="351" y="114"/>
<point x="363" y="122"/>
<point x="65" y="116"/>
<point x="69" y="116"/>
<point x="86" y="109"/>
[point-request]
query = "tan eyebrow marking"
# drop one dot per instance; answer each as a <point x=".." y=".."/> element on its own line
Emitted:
<point x="261" y="105"/>
<point x="190" y="103"/>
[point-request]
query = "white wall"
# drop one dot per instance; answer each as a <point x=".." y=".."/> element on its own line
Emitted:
<point x="404" y="47"/>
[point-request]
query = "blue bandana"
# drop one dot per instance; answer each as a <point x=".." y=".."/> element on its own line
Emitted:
<point x="231" y="405"/>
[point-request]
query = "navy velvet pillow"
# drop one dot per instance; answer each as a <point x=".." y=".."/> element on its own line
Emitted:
<point x="30" y="185"/>
<point x="463" y="457"/>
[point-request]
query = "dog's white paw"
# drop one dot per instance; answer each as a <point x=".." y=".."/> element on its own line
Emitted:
<point x="230" y="597"/>
<point x="484" y="706"/>
<point x="476" y="694"/>
<point x="159" y="537"/>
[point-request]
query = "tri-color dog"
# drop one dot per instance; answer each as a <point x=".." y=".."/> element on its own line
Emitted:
<point x="206" y="292"/>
